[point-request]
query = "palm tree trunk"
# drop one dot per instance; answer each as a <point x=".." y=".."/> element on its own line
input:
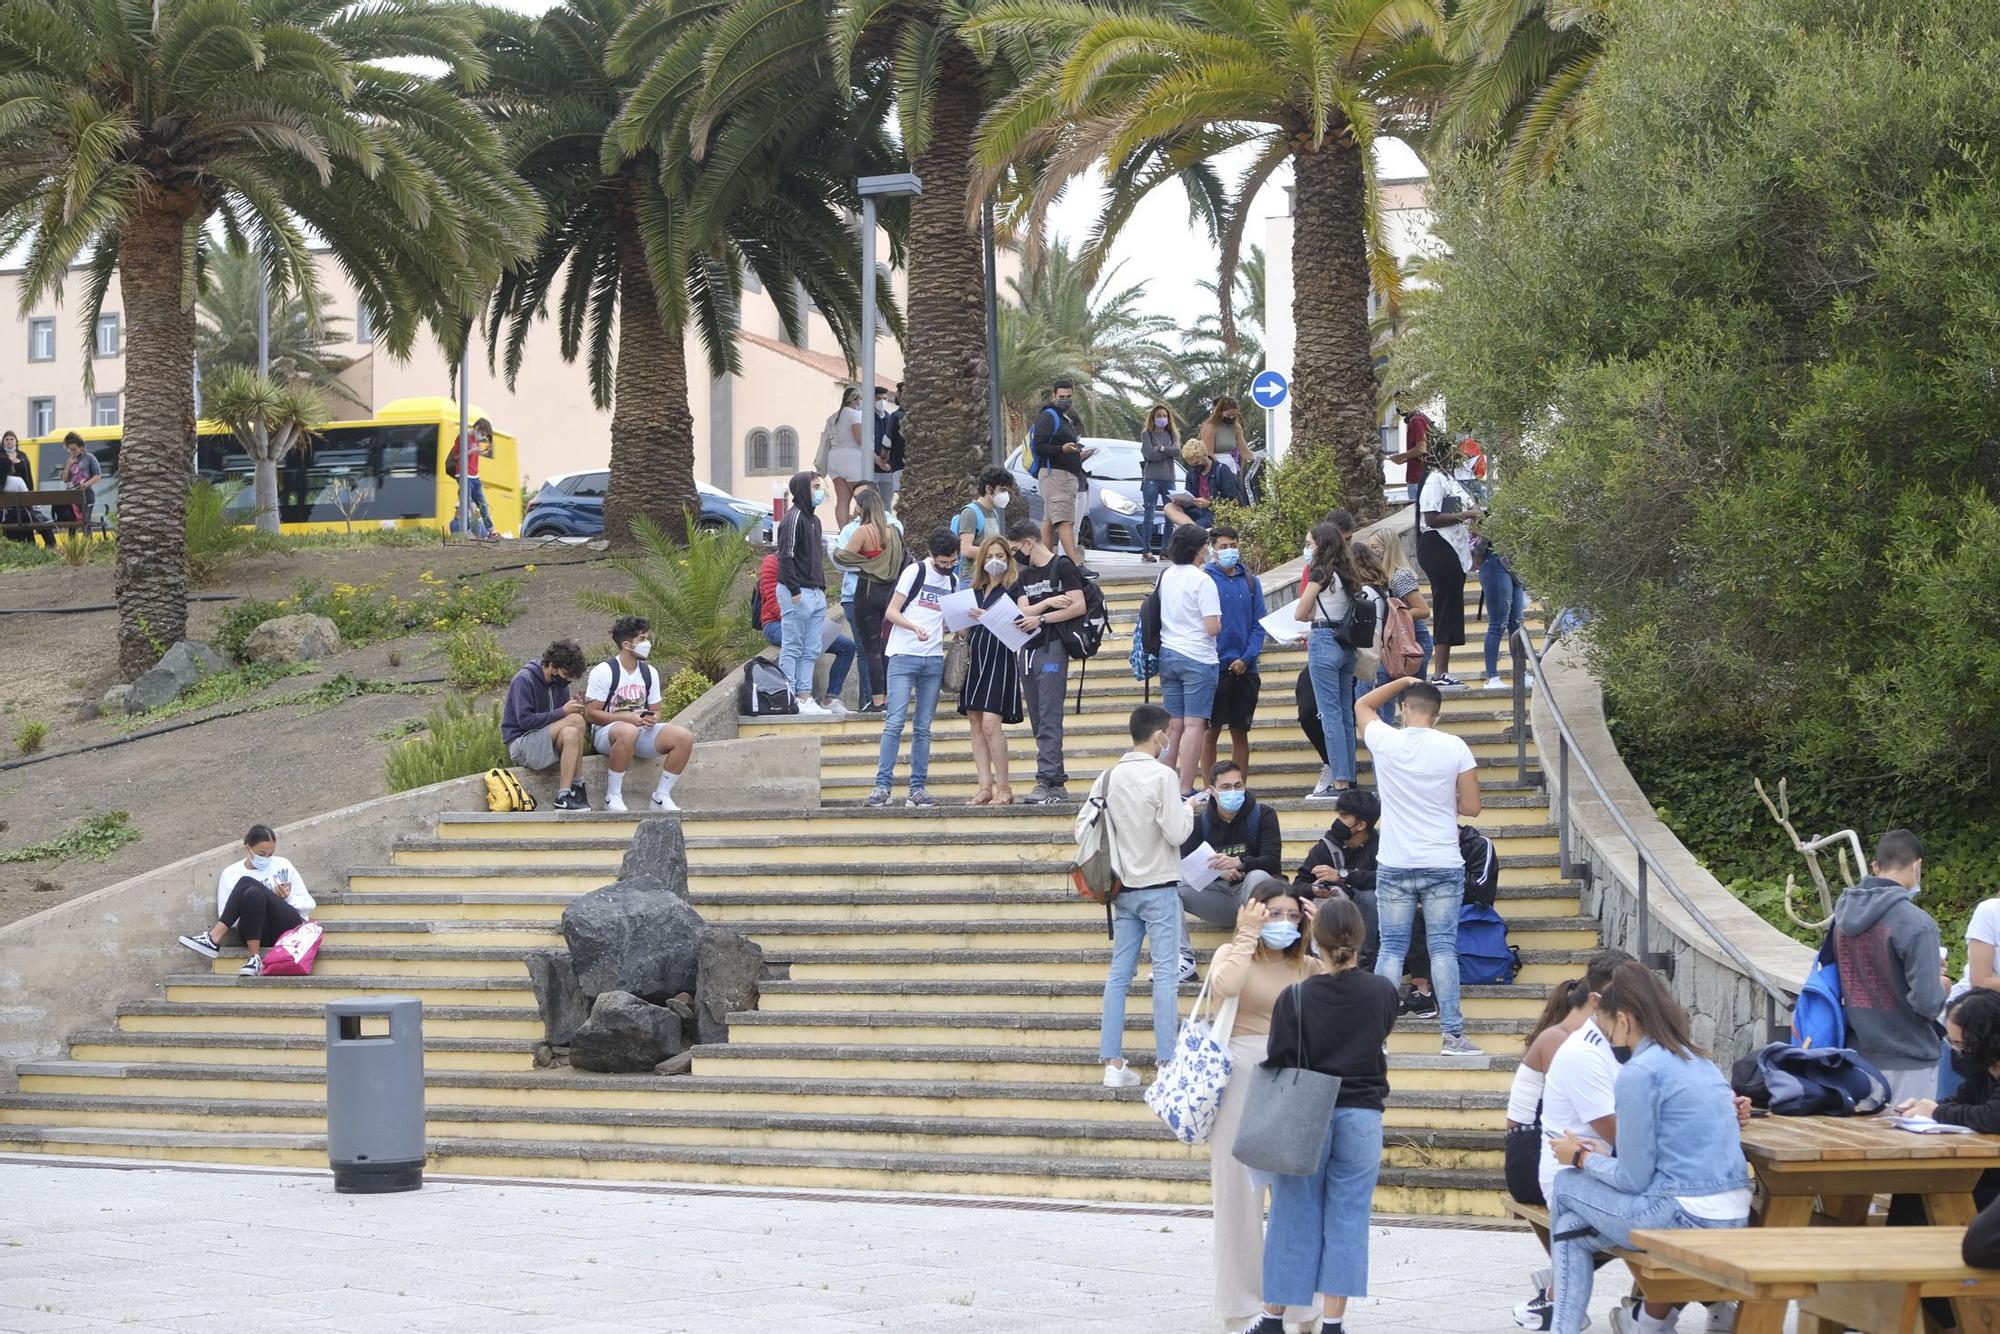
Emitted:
<point x="652" y="429"/>
<point x="1333" y="365"/>
<point x="947" y="431"/>
<point x="156" y="459"/>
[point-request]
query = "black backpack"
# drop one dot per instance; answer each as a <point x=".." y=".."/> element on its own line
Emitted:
<point x="1355" y="630"/>
<point x="1149" y="635"/>
<point x="1084" y="635"/>
<point x="645" y="679"/>
<point x="1482" y="866"/>
<point x="764" y="690"/>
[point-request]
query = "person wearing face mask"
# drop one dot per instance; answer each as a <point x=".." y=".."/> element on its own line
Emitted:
<point x="1267" y="955"/>
<point x="983" y="516"/>
<point x="1892" y="984"/>
<point x="1222" y="435"/>
<point x="915" y="666"/>
<point x="1159" y="452"/>
<point x="1302" y="689"/>
<point x="1049" y="592"/>
<point x="873" y="551"/>
<point x="622" y="704"/>
<point x="1679" y="1160"/>
<point x="1973" y="1031"/>
<point x="991" y="695"/>
<point x="888" y="444"/>
<point x="542" y="726"/>
<point x="1237" y="648"/>
<point x="802" y="587"/>
<point x="1057" y="444"/>
<point x="260" y="897"/>
<point x="1244" y="841"/>
<point x="1342" y="863"/>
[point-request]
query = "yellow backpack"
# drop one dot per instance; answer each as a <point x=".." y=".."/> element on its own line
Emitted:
<point x="505" y="793"/>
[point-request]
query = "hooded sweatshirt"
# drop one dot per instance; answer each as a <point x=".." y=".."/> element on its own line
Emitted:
<point x="532" y="703"/>
<point x="801" y="550"/>
<point x="1891" y="981"/>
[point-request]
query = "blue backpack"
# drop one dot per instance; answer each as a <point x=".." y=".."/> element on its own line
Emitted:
<point x="1819" y="1017"/>
<point x="1484" y="956"/>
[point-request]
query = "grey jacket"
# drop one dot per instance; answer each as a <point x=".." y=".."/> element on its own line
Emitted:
<point x="1159" y="456"/>
<point x="1891" y="978"/>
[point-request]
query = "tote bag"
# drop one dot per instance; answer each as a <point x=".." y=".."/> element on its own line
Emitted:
<point x="1289" y="1112"/>
<point x="1188" y="1093"/>
<point x="292" y="954"/>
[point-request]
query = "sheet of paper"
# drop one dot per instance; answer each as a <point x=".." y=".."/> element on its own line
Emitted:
<point x="1924" y="1125"/>
<point x="1003" y="618"/>
<point x="957" y="608"/>
<point x="1282" y="625"/>
<point x="1195" y="869"/>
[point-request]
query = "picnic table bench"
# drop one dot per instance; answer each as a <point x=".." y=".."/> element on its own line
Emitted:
<point x="1844" y="1162"/>
<point x="1653" y="1280"/>
<point x="62" y="508"/>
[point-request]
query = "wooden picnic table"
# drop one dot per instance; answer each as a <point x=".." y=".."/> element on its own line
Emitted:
<point x="1870" y="1279"/>
<point x="1844" y="1161"/>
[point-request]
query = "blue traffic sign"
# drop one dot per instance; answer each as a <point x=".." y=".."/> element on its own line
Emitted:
<point x="1269" y="389"/>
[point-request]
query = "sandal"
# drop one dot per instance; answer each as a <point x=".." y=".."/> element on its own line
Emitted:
<point x="982" y="797"/>
<point x="1002" y="796"/>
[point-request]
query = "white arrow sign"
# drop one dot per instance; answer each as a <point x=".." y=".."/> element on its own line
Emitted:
<point x="1269" y="389"/>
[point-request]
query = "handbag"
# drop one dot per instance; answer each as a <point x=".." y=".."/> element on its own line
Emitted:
<point x="292" y="954"/>
<point x="1289" y="1112"/>
<point x="957" y="663"/>
<point x="1187" y="1094"/>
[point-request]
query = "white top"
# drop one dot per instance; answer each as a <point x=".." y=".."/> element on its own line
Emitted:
<point x="1149" y="821"/>
<point x="843" y="429"/>
<point x="1722" y="1206"/>
<point x="1187" y="594"/>
<point x="1416" y="774"/>
<point x="236" y="870"/>
<point x="921" y="606"/>
<point x="1984" y="926"/>
<point x="633" y="696"/>
<point x="1524" y="1095"/>
<point x="1431" y="500"/>
<point x="1581" y="1078"/>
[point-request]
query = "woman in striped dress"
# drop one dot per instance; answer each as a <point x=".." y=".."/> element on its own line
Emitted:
<point x="992" y="693"/>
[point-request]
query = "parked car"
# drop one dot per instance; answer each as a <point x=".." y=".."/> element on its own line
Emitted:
<point x="1112" y="518"/>
<point x="571" y="504"/>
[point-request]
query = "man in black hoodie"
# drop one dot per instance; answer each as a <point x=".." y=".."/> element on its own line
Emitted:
<point x="1892" y="981"/>
<point x="1342" y="863"/>
<point x="801" y="588"/>
<point x="1243" y="837"/>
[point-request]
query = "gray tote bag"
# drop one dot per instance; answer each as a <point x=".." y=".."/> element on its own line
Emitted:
<point x="1288" y="1112"/>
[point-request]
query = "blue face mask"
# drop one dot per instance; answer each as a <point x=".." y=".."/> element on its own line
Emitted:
<point x="1229" y="559"/>
<point x="1230" y="800"/>
<point x="1279" y="935"/>
<point x="819" y="496"/>
<point x="259" y="863"/>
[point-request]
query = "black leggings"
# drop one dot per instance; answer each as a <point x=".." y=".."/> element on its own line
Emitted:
<point x="258" y="914"/>
<point x="1309" y="714"/>
<point x="871" y="603"/>
<point x="1439" y="560"/>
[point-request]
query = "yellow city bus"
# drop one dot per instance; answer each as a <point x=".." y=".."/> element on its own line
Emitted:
<point x="395" y="459"/>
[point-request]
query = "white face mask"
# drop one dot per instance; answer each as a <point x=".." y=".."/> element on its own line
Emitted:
<point x="259" y="862"/>
<point x="643" y="648"/>
<point x="996" y="567"/>
<point x="1002" y="499"/>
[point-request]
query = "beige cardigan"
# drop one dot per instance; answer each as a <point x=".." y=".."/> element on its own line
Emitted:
<point x="1256" y="978"/>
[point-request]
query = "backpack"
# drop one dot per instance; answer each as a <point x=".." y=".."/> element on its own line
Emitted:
<point x="1084" y="635"/>
<point x="1482" y="866"/>
<point x="1819" y="1016"/>
<point x="505" y="793"/>
<point x="1037" y="465"/>
<point x="1356" y="628"/>
<point x="1829" y="1081"/>
<point x="1368" y="656"/>
<point x="1145" y="656"/>
<point x="1484" y="956"/>
<point x="1402" y="655"/>
<point x="645" y="678"/>
<point x="756" y="607"/>
<point x="978" y="519"/>
<point x="451" y="462"/>
<point x="763" y="691"/>
<point x="1092" y="871"/>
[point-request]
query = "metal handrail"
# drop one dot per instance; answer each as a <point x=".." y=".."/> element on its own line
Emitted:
<point x="1522" y="648"/>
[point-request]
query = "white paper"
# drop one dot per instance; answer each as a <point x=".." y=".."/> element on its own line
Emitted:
<point x="1924" y="1125"/>
<point x="1195" y="869"/>
<point x="958" y="608"/>
<point x="1283" y="626"/>
<point x="1003" y="620"/>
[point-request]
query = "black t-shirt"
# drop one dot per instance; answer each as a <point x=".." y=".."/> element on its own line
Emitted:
<point x="1347" y="1019"/>
<point x="1039" y="583"/>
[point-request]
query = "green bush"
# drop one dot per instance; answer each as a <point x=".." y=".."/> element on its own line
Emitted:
<point x="220" y="688"/>
<point x="694" y="598"/>
<point x="687" y="686"/>
<point x="94" y="836"/>
<point x="474" y="660"/>
<point x="214" y="541"/>
<point x="29" y="739"/>
<point x="460" y="738"/>
<point x="1299" y="491"/>
<point x="365" y="613"/>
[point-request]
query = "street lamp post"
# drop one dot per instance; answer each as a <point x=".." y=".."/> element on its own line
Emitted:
<point x="263" y="320"/>
<point x="995" y="409"/>
<point x="872" y="188"/>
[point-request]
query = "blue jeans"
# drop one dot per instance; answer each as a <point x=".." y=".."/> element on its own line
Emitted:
<point x="1318" y="1236"/>
<point x="1187" y="687"/>
<point x="922" y="675"/>
<point x="842" y="650"/>
<point x="473" y="492"/>
<point x="1399" y="890"/>
<point x="1332" y="671"/>
<point x="1155" y="494"/>
<point x="803" y="617"/>
<point x="1506" y="603"/>
<point x="1152" y="915"/>
<point x="1423" y="626"/>
<point x="864" y="694"/>
<point x="1606" y="1216"/>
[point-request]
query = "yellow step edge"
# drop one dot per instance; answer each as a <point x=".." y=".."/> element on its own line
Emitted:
<point x="796" y="1002"/>
<point x="331" y="964"/>
<point x="315" y="1025"/>
<point x="1029" y="1072"/>
<point x="311" y="1056"/>
<point x="252" y="993"/>
<point x="1414" y="1042"/>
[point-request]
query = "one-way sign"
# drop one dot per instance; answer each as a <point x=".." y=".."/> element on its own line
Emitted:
<point x="1269" y="389"/>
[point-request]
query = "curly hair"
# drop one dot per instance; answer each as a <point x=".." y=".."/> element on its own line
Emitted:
<point x="1977" y="1015"/>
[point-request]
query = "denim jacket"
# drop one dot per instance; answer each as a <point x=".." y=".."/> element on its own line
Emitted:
<point x="1677" y="1131"/>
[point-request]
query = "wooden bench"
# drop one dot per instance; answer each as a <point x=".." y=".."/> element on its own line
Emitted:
<point x="60" y="503"/>
<point x="1654" y="1281"/>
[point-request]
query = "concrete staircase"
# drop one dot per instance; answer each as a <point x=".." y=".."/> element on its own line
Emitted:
<point x="933" y="1027"/>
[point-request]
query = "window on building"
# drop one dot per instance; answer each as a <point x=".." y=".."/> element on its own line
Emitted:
<point x="41" y="416"/>
<point x="757" y="453"/>
<point x="787" y="441"/>
<point x="42" y="340"/>
<point x="751" y="282"/>
<point x="104" y="410"/>
<point x="364" y="324"/>
<point x="107" y="338"/>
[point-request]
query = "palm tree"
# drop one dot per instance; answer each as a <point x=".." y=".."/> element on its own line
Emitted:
<point x="1207" y="365"/>
<point x="225" y="333"/>
<point x="1305" y="82"/>
<point x="130" y="125"/>
<point x="1058" y="324"/>
<point x="653" y="219"/>
<point x="269" y="418"/>
<point x="1526" y="68"/>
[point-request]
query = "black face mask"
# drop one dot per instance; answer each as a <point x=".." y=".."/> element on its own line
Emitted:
<point x="1622" y="1054"/>
<point x="1964" y="1066"/>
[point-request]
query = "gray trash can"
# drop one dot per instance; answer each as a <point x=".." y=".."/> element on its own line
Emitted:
<point x="375" y="1093"/>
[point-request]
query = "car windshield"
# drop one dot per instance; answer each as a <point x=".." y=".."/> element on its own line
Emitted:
<point x="1115" y="461"/>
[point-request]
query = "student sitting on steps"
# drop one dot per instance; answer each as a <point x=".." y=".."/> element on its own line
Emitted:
<point x="622" y="701"/>
<point x="259" y="897"/>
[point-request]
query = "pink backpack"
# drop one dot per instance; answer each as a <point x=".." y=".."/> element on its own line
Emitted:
<point x="1401" y="653"/>
<point x="292" y="954"/>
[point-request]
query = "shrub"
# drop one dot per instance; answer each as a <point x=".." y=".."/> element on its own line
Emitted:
<point x="94" y="836"/>
<point x="365" y="613"/>
<point x="75" y="548"/>
<point x="694" y="597"/>
<point x="1299" y="491"/>
<point x="29" y="739"/>
<point x="461" y="738"/>
<point x="214" y="541"/>
<point x="687" y="686"/>
<point x="220" y="688"/>
<point x="474" y="660"/>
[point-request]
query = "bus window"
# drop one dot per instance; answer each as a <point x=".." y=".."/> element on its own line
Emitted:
<point x="104" y="496"/>
<point x="394" y="466"/>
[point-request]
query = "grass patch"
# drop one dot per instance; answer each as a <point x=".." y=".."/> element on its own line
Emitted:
<point x="340" y="689"/>
<point x="29" y="739"/>
<point x="409" y="727"/>
<point x="463" y="738"/>
<point x="220" y="688"/>
<point x="366" y="613"/>
<point x="94" y="836"/>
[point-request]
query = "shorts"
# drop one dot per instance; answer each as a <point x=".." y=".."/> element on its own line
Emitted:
<point x="1059" y="487"/>
<point x="1187" y="687"/>
<point x="647" y="735"/>
<point x="851" y="463"/>
<point x="534" y="750"/>
<point x="1235" y="698"/>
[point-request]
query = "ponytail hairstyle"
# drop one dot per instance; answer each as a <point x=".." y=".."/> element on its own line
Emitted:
<point x="1562" y="1002"/>
<point x="1369" y="566"/>
<point x="1332" y="559"/>
<point x="1338" y="931"/>
<point x="1636" y="993"/>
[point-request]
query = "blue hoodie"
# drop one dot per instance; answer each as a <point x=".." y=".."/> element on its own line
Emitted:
<point x="532" y="703"/>
<point x="1242" y="633"/>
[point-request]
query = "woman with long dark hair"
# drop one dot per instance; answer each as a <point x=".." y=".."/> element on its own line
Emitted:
<point x="1332" y="583"/>
<point x="801" y="588"/>
<point x="874" y="551"/>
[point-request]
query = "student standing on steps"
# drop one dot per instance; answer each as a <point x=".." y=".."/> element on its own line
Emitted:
<point x="1148" y="821"/>
<point x="873" y="687"/>
<point x="1049" y="592"/>
<point x="1190" y="620"/>
<point x="1427" y="779"/>
<point x="991" y="695"/>
<point x="873" y="552"/>
<point x="1331" y="585"/>
<point x="916" y="666"/>
<point x="621" y="701"/>
<point x="1237" y="648"/>
<point x="983" y="518"/>
<point x="802" y="588"/>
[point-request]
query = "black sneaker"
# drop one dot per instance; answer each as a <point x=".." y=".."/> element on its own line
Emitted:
<point x="872" y="707"/>
<point x="202" y="945"/>
<point x="571" y="798"/>
<point x="1270" y="1324"/>
<point x="1420" y="1004"/>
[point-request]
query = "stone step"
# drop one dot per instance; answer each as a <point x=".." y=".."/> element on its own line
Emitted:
<point x="952" y="782"/>
<point x="509" y="991"/>
<point x="1543" y="967"/>
<point x="239" y="1048"/>
<point x="443" y="1021"/>
<point x="1023" y="997"/>
<point x="1273" y="755"/>
<point x="1077" y="1031"/>
<point x="1275" y="720"/>
<point x="841" y="766"/>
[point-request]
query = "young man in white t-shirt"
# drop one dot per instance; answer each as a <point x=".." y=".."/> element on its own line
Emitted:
<point x="621" y="702"/>
<point x="916" y="665"/>
<point x="1427" y="780"/>
<point x="1190" y="619"/>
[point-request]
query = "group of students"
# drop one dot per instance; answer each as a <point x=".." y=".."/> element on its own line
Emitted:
<point x="27" y="522"/>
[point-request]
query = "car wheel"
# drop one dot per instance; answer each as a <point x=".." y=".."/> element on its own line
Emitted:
<point x="714" y="526"/>
<point x="1084" y="534"/>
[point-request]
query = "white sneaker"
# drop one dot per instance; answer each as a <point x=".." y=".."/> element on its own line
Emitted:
<point x="1495" y="683"/>
<point x="663" y="802"/>
<point x="812" y="708"/>
<point x="836" y="708"/>
<point x="1189" y="972"/>
<point x="1721" y="1317"/>
<point x="616" y="804"/>
<point x="1120" y="1077"/>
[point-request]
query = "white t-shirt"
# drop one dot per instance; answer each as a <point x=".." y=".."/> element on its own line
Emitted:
<point x="921" y="605"/>
<point x="633" y="694"/>
<point x="236" y="870"/>
<point x="1985" y="927"/>
<point x="1416" y="774"/>
<point x="1187" y="594"/>
<point x="1582" y="1075"/>
<point x="1431" y="500"/>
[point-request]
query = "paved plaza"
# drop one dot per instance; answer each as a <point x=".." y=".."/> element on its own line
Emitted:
<point x="97" y="1246"/>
